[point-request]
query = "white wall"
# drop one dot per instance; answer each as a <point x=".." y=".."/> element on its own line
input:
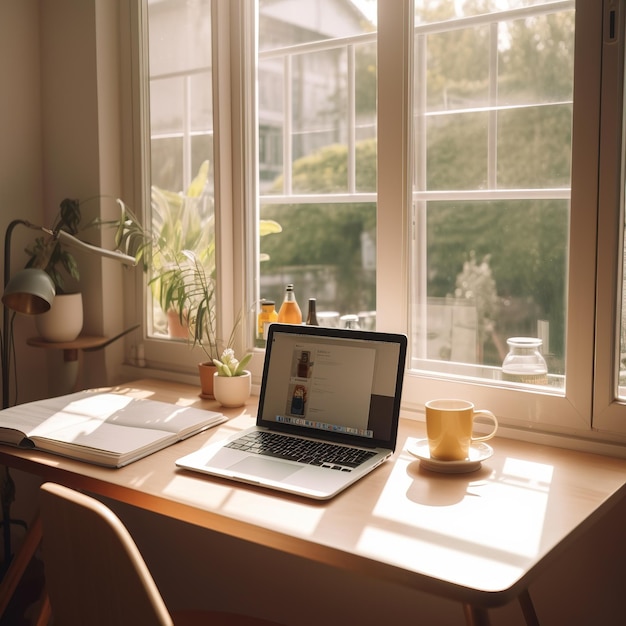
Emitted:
<point x="21" y="183"/>
<point x="59" y="130"/>
<point x="58" y="139"/>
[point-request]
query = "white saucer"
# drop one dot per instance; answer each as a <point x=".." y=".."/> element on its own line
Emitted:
<point x="478" y="453"/>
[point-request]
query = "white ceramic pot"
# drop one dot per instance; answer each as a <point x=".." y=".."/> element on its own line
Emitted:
<point x="64" y="320"/>
<point x="232" y="391"/>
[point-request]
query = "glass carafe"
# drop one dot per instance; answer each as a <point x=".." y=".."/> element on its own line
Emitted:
<point x="524" y="363"/>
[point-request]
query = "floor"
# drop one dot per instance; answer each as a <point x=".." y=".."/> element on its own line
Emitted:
<point x="22" y="609"/>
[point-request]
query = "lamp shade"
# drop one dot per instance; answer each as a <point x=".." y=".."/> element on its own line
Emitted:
<point x="30" y="291"/>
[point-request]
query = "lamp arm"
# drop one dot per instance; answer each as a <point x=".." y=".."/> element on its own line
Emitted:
<point x="70" y="240"/>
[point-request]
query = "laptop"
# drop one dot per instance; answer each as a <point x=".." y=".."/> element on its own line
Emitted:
<point x="328" y="412"/>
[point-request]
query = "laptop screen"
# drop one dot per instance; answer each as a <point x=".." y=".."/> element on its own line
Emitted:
<point x="346" y="384"/>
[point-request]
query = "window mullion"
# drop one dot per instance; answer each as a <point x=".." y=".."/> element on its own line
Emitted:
<point x="492" y="135"/>
<point x="187" y="96"/>
<point x="288" y="124"/>
<point x="395" y="44"/>
<point x="351" y="122"/>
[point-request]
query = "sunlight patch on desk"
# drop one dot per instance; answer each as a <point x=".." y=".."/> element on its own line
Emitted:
<point x="495" y="512"/>
<point x="134" y="392"/>
<point x="244" y="504"/>
<point x="527" y="473"/>
<point x="446" y="563"/>
<point x="204" y="494"/>
<point x="274" y="513"/>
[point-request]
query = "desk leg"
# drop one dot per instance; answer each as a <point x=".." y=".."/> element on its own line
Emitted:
<point x="475" y="616"/>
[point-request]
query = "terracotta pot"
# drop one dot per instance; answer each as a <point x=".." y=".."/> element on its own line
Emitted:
<point x="174" y="326"/>
<point x="232" y="391"/>
<point x="206" y="371"/>
<point x="64" y="320"/>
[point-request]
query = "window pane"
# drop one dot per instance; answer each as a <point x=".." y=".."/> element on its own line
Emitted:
<point x="492" y="158"/>
<point x="181" y="142"/>
<point x="328" y="252"/>
<point x="484" y="295"/>
<point x="317" y="155"/>
<point x="457" y="151"/>
<point x="534" y="147"/>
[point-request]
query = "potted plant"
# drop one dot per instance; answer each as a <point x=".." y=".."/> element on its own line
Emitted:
<point x="178" y="252"/>
<point x="181" y="222"/>
<point x="231" y="381"/>
<point x="181" y="279"/>
<point x="64" y="320"/>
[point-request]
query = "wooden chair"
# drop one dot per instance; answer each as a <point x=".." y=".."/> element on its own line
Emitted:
<point x="95" y="573"/>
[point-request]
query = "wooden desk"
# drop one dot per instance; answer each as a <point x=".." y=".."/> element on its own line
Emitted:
<point x="479" y="539"/>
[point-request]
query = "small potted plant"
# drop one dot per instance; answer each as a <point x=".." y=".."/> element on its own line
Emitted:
<point x="231" y="381"/>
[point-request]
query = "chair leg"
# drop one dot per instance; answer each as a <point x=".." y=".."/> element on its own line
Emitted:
<point x="528" y="608"/>
<point x="475" y="616"/>
<point x="19" y="564"/>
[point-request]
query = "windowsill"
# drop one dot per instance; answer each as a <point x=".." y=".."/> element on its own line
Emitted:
<point x="594" y="442"/>
<point x="481" y="373"/>
<point x="129" y="372"/>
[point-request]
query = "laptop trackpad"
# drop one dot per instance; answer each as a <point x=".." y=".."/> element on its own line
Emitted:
<point x="265" y="468"/>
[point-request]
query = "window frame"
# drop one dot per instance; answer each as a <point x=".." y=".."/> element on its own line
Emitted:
<point x="595" y="207"/>
<point x="541" y="410"/>
<point x="608" y="411"/>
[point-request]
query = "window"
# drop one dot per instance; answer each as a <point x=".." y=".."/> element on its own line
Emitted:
<point x="436" y="168"/>
<point x="316" y="68"/>
<point x="179" y="68"/>
<point x="492" y="129"/>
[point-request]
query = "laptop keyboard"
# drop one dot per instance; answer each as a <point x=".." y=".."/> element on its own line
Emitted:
<point x="331" y="455"/>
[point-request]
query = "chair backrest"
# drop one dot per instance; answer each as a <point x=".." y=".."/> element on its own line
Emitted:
<point x="94" y="572"/>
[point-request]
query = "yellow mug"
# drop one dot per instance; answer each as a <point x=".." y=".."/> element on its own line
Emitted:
<point x="449" y="426"/>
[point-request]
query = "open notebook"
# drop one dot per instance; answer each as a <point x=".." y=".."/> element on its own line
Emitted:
<point x="328" y="412"/>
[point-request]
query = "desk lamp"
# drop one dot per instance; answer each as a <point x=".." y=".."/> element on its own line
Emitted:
<point x="31" y="291"/>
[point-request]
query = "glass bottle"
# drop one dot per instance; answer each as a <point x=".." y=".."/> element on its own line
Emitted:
<point x="524" y="363"/>
<point x="290" y="312"/>
<point x="311" y="318"/>
<point x="267" y="315"/>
